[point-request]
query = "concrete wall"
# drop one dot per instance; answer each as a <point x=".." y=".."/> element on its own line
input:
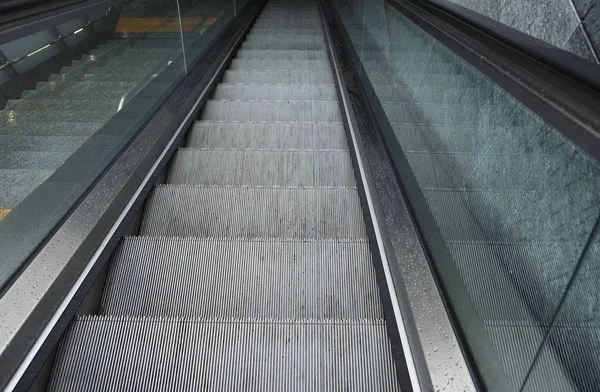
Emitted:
<point x="573" y="25"/>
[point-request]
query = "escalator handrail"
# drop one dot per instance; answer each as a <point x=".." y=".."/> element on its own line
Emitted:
<point x="18" y="5"/>
<point x="566" y="62"/>
<point x="562" y="88"/>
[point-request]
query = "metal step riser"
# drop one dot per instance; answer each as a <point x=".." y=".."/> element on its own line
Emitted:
<point x="16" y="116"/>
<point x="283" y="45"/>
<point x="280" y="65"/>
<point x="41" y="143"/>
<point x="268" y="136"/>
<point x="281" y="77"/>
<point x="183" y="355"/>
<point x="281" y="54"/>
<point x="34" y="160"/>
<point x="313" y="280"/>
<point x="257" y="92"/>
<point x="66" y="104"/>
<point x="266" y="168"/>
<point x="271" y="111"/>
<point x="238" y="212"/>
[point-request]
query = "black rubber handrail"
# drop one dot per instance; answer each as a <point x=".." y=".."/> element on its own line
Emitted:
<point x="11" y="10"/>
<point x="568" y="63"/>
<point x="563" y="89"/>
<point x="14" y="5"/>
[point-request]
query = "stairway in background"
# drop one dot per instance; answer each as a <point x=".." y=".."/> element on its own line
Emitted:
<point x="39" y="131"/>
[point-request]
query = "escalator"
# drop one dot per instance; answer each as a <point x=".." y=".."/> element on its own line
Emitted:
<point x="251" y="268"/>
<point x="45" y="126"/>
<point x="384" y="195"/>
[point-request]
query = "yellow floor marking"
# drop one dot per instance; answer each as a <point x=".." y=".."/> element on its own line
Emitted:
<point x="4" y="212"/>
<point x="208" y="22"/>
<point x="155" y="25"/>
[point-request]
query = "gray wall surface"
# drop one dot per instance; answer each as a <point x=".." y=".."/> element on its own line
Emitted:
<point x="573" y="25"/>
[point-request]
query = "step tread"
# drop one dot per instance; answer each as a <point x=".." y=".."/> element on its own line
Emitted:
<point x="316" y="136"/>
<point x="101" y="353"/>
<point x="274" y="111"/>
<point x="312" y="280"/>
<point x="246" y="92"/>
<point x="254" y="212"/>
<point x="278" y="77"/>
<point x="250" y="167"/>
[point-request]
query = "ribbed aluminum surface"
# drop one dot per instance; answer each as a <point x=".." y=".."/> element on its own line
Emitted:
<point x="251" y="167"/>
<point x="251" y="212"/>
<point x="142" y="354"/>
<point x="268" y="279"/>
<point x="272" y="111"/>
<point x="290" y="136"/>
<point x="279" y="77"/>
<point x="253" y="269"/>
<point x="262" y="92"/>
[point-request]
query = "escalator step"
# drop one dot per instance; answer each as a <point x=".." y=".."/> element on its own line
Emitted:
<point x="36" y="160"/>
<point x="271" y="39"/>
<point x="85" y="85"/>
<point x="443" y="114"/>
<point x="63" y="104"/>
<point x="48" y="115"/>
<point x="286" y="32"/>
<point x="24" y="128"/>
<point x="18" y="183"/>
<point x="465" y="215"/>
<point x="259" y="92"/>
<point x="279" y="65"/>
<point x="321" y="136"/>
<point x="105" y="74"/>
<point x="273" y="279"/>
<point x="285" y="45"/>
<point x="281" y="54"/>
<point x="143" y="354"/>
<point x="271" y="168"/>
<point x="41" y="143"/>
<point x="272" y="111"/>
<point x="278" y="77"/>
<point x="76" y="93"/>
<point x="244" y="212"/>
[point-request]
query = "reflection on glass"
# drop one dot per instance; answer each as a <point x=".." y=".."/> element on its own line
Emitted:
<point x="513" y="201"/>
<point x="59" y="133"/>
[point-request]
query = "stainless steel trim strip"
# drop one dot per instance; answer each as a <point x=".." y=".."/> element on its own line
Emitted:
<point x="434" y="358"/>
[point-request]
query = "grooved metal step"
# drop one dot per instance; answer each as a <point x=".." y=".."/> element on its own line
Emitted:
<point x="287" y="32"/>
<point x="41" y="143"/>
<point x="18" y="183"/>
<point x="273" y="279"/>
<point x="278" y="77"/>
<point x="269" y="168"/>
<point x="63" y="104"/>
<point x="301" y="136"/>
<point x="191" y="355"/>
<point x="272" y="111"/>
<point x="32" y="159"/>
<point x="244" y="212"/>
<point x="280" y="65"/>
<point x="41" y="115"/>
<point x="260" y="92"/>
<point x="269" y="39"/>
<point x="285" y="45"/>
<point x="24" y="128"/>
<point x="260" y="54"/>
